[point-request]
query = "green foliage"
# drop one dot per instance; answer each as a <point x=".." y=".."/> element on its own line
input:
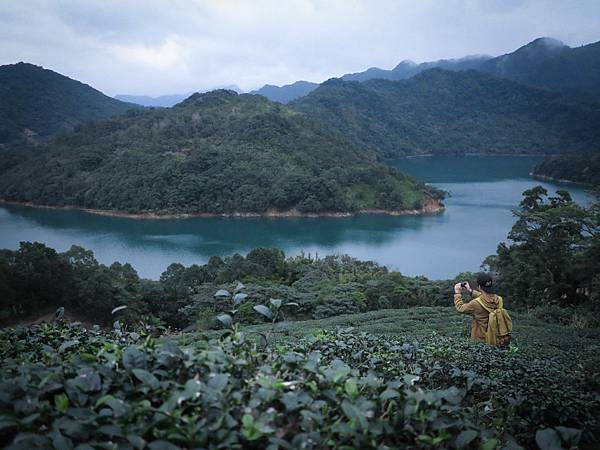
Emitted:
<point x="554" y="253"/>
<point x="185" y="295"/>
<point x="37" y="103"/>
<point x="336" y="389"/>
<point x="578" y="168"/>
<point x="447" y="112"/>
<point x="39" y="280"/>
<point x="217" y="153"/>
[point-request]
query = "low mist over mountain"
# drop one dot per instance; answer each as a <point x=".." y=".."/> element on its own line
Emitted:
<point x="38" y="102"/>
<point x="407" y="69"/>
<point x="161" y="101"/>
<point x="166" y="101"/>
<point x="217" y="152"/>
<point x="447" y="112"/>
<point x="550" y="64"/>
<point x="286" y="93"/>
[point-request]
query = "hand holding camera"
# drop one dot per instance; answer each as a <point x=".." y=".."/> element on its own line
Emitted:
<point x="458" y="287"/>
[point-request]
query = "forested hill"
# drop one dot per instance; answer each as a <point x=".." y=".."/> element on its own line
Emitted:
<point x="218" y="152"/>
<point x="579" y="168"/>
<point x="37" y="102"/>
<point x="550" y="64"/>
<point x="445" y="112"/>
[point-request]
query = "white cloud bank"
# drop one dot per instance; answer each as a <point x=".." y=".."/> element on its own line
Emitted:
<point x="168" y="46"/>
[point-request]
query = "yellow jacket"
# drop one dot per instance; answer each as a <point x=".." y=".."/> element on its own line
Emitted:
<point x="479" y="324"/>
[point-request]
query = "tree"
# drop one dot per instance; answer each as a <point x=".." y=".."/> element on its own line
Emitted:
<point x="550" y="258"/>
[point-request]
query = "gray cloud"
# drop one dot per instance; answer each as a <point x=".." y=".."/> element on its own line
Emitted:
<point x="167" y="46"/>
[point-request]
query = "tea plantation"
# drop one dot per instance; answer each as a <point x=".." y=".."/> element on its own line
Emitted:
<point x="384" y="379"/>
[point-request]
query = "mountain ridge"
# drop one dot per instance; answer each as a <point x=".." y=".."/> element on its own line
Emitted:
<point x="545" y="63"/>
<point x="38" y="102"/>
<point x="443" y="112"/>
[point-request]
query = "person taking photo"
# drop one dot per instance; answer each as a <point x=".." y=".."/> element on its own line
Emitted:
<point x="490" y="323"/>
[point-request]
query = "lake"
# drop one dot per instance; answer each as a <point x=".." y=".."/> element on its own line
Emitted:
<point x="483" y="191"/>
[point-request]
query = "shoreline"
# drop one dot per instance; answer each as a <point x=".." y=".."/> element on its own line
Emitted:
<point x="432" y="206"/>
<point x="429" y="155"/>
<point x="558" y="180"/>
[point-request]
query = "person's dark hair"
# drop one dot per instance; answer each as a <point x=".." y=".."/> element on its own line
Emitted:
<point x="485" y="282"/>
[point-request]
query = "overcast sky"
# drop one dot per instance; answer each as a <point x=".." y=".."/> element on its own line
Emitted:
<point x="156" y="47"/>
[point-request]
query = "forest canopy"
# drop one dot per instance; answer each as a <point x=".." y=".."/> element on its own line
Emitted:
<point x="217" y="152"/>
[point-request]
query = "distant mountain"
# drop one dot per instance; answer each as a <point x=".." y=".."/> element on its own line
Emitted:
<point x="286" y="93"/>
<point x="212" y="153"/>
<point x="37" y="102"/>
<point x="406" y="69"/>
<point x="166" y="101"/>
<point x="549" y="64"/>
<point x="440" y="111"/>
<point x="163" y="101"/>
<point x="545" y="63"/>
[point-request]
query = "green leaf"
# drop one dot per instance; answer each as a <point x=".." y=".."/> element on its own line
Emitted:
<point x="225" y="319"/>
<point x="490" y="444"/>
<point x="67" y="345"/>
<point x="265" y="311"/>
<point x="162" y="445"/>
<point x="548" y="439"/>
<point x="134" y="358"/>
<point x="351" y="388"/>
<point x="147" y="378"/>
<point x="218" y="382"/>
<point x="136" y="441"/>
<point x="61" y="401"/>
<point x="88" y="357"/>
<point x="222" y="293"/>
<point x="60" y="442"/>
<point x="465" y="438"/>
<point x="570" y="436"/>
<point x="238" y="298"/>
<point x="354" y="414"/>
<point x="276" y="303"/>
<point x="7" y="422"/>
<point x="388" y="394"/>
<point x="119" y="407"/>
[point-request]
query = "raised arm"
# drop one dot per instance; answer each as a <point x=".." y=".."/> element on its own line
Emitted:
<point x="466" y="308"/>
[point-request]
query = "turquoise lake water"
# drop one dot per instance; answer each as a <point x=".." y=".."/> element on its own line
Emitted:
<point x="483" y="191"/>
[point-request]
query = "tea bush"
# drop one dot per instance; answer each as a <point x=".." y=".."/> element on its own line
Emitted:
<point x="63" y="386"/>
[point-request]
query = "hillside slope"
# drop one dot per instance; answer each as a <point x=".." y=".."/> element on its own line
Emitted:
<point x="549" y="64"/>
<point x="38" y="102"/>
<point x="446" y="112"/>
<point x="578" y="168"/>
<point x="219" y="153"/>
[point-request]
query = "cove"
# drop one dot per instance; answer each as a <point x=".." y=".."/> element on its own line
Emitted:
<point x="483" y="190"/>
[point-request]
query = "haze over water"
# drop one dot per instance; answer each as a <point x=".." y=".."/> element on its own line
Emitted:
<point x="483" y="191"/>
